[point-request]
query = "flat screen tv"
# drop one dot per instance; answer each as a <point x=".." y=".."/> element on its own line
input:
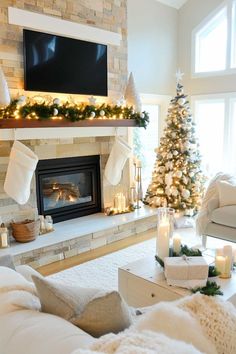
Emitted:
<point x="64" y="65"/>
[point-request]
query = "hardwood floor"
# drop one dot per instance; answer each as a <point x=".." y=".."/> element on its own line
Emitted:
<point x="99" y="252"/>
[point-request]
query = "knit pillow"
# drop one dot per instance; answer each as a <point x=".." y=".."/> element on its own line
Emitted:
<point x="95" y="311"/>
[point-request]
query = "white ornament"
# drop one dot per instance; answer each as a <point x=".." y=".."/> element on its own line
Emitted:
<point x="93" y="114"/>
<point x="185" y="193"/>
<point x="191" y="174"/>
<point x="178" y="174"/>
<point x="55" y="111"/>
<point x="169" y="156"/>
<point x="92" y="100"/>
<point x="175" y="152"/>
<point x="167" y="191"/>
<point x="174" y="192"/>
<point x="56" y="101"/>
<point x="21" y="100"/>
<point x="102" y="113"/>
<point x="181" y="101"/>
<point x="121" y="102"/>
<point x="142" y="115"/>
<point x="173" y="135"/>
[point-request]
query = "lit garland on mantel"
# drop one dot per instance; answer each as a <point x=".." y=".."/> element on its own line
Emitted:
<point x="30" y="108"/>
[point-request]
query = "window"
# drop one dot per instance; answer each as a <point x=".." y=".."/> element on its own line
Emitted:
<point x="215" y="117"/>
<point x="209" y="115"/>
<point x="144" y="143"/>
<point x="233" y="37"/>
<point x="211" y="43"/>
<point x="214" y="42"/>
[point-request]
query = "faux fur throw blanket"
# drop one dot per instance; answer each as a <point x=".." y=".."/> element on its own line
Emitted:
<point x="195" y="324"/>
<point x="16" y="292"/>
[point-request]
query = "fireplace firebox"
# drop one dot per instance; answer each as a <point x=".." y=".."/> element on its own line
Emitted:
<point x="67" y="188"/>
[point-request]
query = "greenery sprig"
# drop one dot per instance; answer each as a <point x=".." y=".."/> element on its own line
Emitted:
<point x="211" y="289"/>
<point x="190" y="252"/>
<point x="71" y="111"/>
<point x="213" y="272"/>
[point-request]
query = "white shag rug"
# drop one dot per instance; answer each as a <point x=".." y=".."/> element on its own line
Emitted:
<point x="103" y="272"/>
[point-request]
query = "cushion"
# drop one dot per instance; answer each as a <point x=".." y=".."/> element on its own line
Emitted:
<point x="27" y="272"/>
<point x="227" y="193"/>
<point x="33" y="332"/>
<point x="95" y="311"/>
<point x="7" y="261"/>
<point x="224" y="216"/>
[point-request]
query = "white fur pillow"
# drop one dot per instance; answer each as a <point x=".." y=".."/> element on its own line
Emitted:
<point x="175" y="323"/>
<point x="227" y="193"/>
<point x="16" y="292"/>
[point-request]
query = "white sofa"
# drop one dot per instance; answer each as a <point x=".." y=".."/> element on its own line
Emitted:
<point x="26" y="330"/>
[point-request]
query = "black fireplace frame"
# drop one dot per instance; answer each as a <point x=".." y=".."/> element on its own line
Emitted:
<point x="60" y="166"/>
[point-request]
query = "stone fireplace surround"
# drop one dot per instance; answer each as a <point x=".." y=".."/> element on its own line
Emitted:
<point x="75" y="236"/>
<point x="79" y="235"/>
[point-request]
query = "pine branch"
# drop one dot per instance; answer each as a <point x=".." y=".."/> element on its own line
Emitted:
<point x="211" y="289"/>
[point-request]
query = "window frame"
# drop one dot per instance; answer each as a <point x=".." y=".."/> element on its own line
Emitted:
<point x="229" y="70"/>
<point x="229" y="99"/>
<point x="162" y="101"/>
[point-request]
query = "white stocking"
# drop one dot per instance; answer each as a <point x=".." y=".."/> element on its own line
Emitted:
<point x="20" y="171"/>
<point x="116" y="161"/>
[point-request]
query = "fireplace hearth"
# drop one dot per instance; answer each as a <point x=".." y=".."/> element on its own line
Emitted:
<point x="67" y="188"/>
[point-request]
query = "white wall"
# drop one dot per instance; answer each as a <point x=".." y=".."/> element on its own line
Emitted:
<point x="190" y="15"/>
<point x="152" y="46"/>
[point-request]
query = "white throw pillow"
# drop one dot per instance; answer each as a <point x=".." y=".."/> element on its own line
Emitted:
<point x="95" y="311"/>
<point x="227" y="193"/>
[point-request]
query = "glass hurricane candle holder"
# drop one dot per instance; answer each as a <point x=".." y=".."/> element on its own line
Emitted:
<point x="165" y="218"/>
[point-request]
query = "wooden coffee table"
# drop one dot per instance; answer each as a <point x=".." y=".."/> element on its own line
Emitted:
<point x="142" y="283"/>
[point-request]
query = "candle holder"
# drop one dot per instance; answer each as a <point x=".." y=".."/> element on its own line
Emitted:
<point x="164" y="232"/>
<point x="121" y="203"/>
<point x="138" y="183"/>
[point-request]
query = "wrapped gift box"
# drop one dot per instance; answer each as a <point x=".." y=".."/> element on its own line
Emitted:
<point x="186" y="272"/>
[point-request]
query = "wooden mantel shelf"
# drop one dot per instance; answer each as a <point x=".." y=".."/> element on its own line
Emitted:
<point x="12" y="123"/>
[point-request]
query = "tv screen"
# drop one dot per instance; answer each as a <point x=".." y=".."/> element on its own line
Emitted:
<point x="64" y="65"/>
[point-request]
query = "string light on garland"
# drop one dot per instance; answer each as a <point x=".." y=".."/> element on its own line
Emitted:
<point x="30" y="108"/>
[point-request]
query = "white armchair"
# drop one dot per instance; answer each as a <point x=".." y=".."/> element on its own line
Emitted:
<point x="213" y="220"/>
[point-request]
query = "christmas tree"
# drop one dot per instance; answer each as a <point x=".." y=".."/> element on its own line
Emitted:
<point x="177" y="179"/>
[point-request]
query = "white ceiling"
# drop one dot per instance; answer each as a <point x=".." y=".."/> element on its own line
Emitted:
<point x="173" y="3"/>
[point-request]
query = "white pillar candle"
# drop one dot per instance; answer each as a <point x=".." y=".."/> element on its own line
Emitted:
<point x="123" y="202"/>
<point x="219" y="252"/>
<point x="4" y="239"/>
<point x="234" y="255"/>
<point x="162" y="246"/>
<point x="228" y="266"/>
<point x="177" y="243"/>
<point x="220" y="264"/>
<point x="228" y="251"/>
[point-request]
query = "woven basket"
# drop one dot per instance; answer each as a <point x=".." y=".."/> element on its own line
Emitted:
<point x="25" y="231"/>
